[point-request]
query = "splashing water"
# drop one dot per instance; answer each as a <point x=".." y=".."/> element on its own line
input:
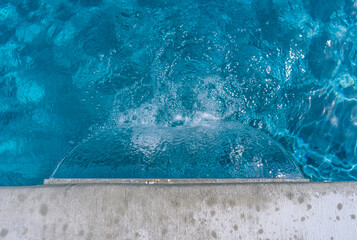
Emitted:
<point x="208" y="150"/>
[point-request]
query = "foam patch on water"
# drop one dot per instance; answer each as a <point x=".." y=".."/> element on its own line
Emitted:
<point x="30" y="92"/>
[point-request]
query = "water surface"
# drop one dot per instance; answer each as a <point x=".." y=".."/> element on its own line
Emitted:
<point x="73" y="69"/>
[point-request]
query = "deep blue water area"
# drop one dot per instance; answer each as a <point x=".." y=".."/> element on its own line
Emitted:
<point x="192" y="88"/>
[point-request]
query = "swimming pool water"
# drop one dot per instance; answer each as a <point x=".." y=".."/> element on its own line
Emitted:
<point x="73" y="71"/>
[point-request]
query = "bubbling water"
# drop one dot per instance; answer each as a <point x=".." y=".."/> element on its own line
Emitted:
<point x="211" y="149"/>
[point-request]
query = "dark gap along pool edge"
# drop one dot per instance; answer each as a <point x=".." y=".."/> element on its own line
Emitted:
<point x="63" y="181"/>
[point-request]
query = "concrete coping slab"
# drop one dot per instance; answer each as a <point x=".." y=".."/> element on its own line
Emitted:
<point x="205" y="211"/>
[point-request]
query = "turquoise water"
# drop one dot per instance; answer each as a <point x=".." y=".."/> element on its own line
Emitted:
<point x="80" y="79"/>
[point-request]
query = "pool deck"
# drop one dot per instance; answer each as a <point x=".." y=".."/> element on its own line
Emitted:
<point x="275" y="210"/>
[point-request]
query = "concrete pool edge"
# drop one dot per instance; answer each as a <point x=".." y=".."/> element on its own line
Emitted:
<point x="212" y="211"/>
<point x="52" y="181"/>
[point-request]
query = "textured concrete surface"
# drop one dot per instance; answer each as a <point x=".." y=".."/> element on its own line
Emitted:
<point x="234" y="211"/>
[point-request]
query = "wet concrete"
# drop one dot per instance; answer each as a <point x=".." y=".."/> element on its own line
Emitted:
<point x="216" y="211"/>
